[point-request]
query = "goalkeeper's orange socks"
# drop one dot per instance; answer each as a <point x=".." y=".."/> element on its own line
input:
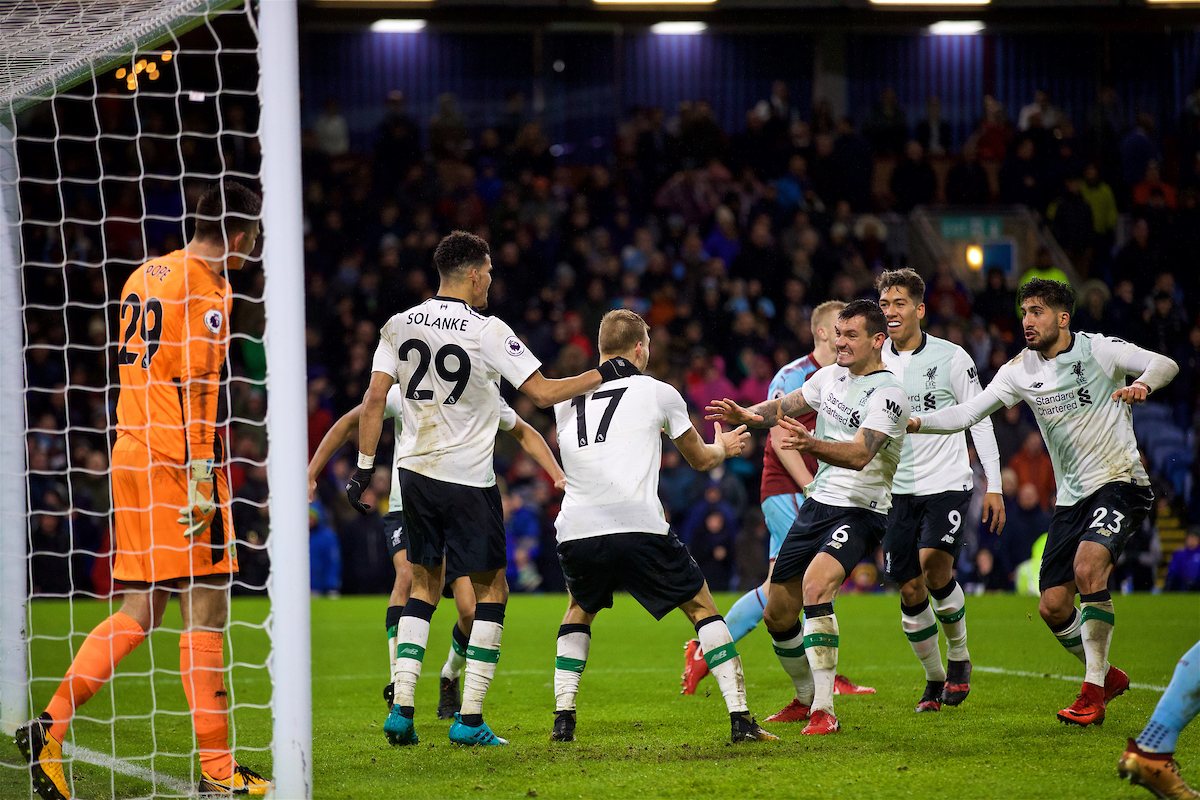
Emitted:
<point x="108" y="643"/>
<point x="202" y="667"/>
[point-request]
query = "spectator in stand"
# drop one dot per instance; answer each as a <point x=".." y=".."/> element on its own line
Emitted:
<point x="1102" y="136"/>
<point x="933" y="132"/>
<point x="947" y="297"/>
<point x="1183" y="573"/>
<point x="854" y="166"/>
<point x="447" y="130"/>
<point x="1138" y="149"/>
<point x="1040" y="110"/>
<point x="793" y="186"/>
<point x="1165" y="325"/>
<point x="523" y="541"/>
<point x="913" y="182"/>
<point x="1099" y="195"/>
<point x="1011" y="430"/>
<point x="1032" y="465"/>
<point x="1073" y="224"/>
<point x="1091" y="307"/>
<point x="967" y="182"/>
<point x="724" y="241"/>
<point x="333" y="135"/>
<point x="1139" y="261"/>
<point x="709" y="532"/>
<point x="1023" y="178"/>
<point x="1152" y="182"/>
<point x="324" y="554"/>
<point x="994" y="132"/>
<point x="996" y="302"/>
<point x="1025" y="521"/>
<point x="1043" y="267"/>
<point x="887" y="127"/>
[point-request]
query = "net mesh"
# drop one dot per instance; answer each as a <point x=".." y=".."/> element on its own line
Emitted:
<point x="122" y="114"/>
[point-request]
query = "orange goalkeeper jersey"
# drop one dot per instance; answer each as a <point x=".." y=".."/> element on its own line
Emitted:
<point x="173" y="334"/>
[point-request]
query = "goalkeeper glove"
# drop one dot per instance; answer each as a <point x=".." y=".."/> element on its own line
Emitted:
<point x="359" y="481"/>
<point x="199" y="512"/>
<point x="617" y="368"/>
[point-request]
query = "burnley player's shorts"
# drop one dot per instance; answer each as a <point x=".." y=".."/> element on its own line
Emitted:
<point x="779" y="512"/>
<point x="847" y="534"/>
<point x="1107" y="516"/>
<point x="922" y="522"/>
<point x="147" y="495"/>
<point x="397" y="542"/>
<point x="655" y="568"/>
<point x="462" y="525"/>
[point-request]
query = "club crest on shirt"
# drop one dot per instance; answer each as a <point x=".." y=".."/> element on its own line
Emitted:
<point x="514" y="346"/>
<point x="213" y="319"/>
<point x="931" y="377"/>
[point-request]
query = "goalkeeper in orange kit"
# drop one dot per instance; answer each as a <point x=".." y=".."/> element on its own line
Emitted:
<point x="173" y="531"/>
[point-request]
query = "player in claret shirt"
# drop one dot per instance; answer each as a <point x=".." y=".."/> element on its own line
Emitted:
<point x="861" y="412"/>
<point x="931" y="492"/>
<point x="1076" y="385"/>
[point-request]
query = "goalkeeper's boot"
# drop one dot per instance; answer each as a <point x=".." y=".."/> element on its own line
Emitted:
<point x="821" y="723"/>
<point x="1088" y="708"/>
<point x="694" y="667"/>
<point x="958" y="683"/>
<point x="794" y="711"/>
<point x="243" y="781"/>
<point x="44" y="754"/>
<point x="399" y="729"/>
<point x="389" y="695"/>
<point x="564" y="727"/>
<point x="843" y="685"/>
<point x="932" y="699"/>
<point x="1158" y="772"/>
<point x="1116" y="683"/>
<point x="480" y="734"/>
<point x="449" y="702"/>
<point x="745" y="728"/>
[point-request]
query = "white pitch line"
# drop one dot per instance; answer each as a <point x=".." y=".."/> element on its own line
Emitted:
<point x="1020" y="673"/>
<point x="127" y="768"/>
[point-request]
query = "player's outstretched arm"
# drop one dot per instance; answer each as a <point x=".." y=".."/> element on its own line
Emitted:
<point x="959" y="417"/>
<point x="370" y="425"/>
<point x="333" y="440"/>
<point x="704" y="457"/>
<point x="854" y="454"/>
<point x="545" y="392"/>
<point x="533" y="443"/>
<point x="760" y="415"/>
<point x="1153" y="370"/>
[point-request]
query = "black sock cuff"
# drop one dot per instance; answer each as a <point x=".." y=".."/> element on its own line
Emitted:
<point x="1063" y="626"/>
<point x="574" y="627"/>
<point x="459" y="636"/>
<point x="912" y="611"/>
<point x="417" y="608"/>
<point x="708" y="621"/>
<point x="489" y="612"/>
<point x="407" y="711"/>
<point x="393" y="615"/>
<point x="818" y="610"/>
<point x="945" y="591"/>
<point x="790" y="633"/>
<point x="1103" y="596"/>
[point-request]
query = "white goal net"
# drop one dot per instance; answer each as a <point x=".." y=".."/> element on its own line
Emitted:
<point x="115" y="118"/>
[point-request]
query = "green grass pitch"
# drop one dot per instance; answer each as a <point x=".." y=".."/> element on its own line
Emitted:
<point x="637" y="736"/>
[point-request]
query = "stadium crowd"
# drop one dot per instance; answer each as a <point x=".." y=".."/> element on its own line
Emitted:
<point x="723" y="240"/>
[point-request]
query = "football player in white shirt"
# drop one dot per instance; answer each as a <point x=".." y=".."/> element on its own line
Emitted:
<point x="931" y="492"/>
<point x="612" y="532"/>
<point x="861" y="412"/>
<point x="449" y="359"/>
<point x="458" y="585"/>
<point x="1075" y="384"/>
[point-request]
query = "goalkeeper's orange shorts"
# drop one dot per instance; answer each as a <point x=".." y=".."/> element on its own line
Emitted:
<point x="147" y="494"/>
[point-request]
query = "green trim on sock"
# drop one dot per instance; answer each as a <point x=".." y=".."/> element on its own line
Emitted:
<point x="790" y="652"/>
<point x="392" y="631"/>
<point x="458" y="648"/>
<point x="820" y="640"/>
<point x="1092" y="612"/>
<point x="922" y="635"/>
<point x="952" y="617"/>
<point x="410" y="650"/>
<point x="1074" y="641"/>
<point x="569" y="664"/>
<point x="720" y="655"/>
<point x="483" y="654"/>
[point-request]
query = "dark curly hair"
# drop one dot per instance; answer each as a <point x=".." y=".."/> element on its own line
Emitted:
<point x="873" y="318"/>
<point x="1056" y="294"/>
<point x="459" y="252"/>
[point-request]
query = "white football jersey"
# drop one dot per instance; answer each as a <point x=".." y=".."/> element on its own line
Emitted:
<point x="1090" y="437"/>
<point x="845" y="403"/>
<point x="448" y="360"/>
<point x="392" y="411"/>
<point x="939" y="374"/>
<point x="611" y="449"/>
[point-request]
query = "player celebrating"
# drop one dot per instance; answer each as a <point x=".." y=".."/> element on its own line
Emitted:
<point x="449" y="702"/>
<point x="449" y="360"/>
<point x="861" y="412"/>
<point x="785" y="473"/>
<point x="1150" y="760"/>
<point x="173" y="528"/>
<point x="611" y="530"/>
<point x="1103" y="492"/>
<point x="932" y="491"/>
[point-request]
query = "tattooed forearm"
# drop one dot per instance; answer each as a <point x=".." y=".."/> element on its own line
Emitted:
<point x="791" y="404"/>
<point x="874" y="440"/>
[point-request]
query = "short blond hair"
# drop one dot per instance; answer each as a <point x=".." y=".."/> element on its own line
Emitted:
<point x="824" y="314"/>
<point x="621" y="330"/>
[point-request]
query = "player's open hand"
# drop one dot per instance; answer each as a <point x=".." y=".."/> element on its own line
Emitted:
<point x="198" y="514"/>
<point x="796" y="437"/>
<point x="1135" y="392"/>
<point x="730" y="413"/>
<point x="733" y="441"/>
<point x="913" y="425"/>
<point x="993" y="511"/>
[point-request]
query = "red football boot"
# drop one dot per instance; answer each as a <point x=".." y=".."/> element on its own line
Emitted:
<point x="794" y="711"/>
<point x="1115" y="684"/>
<point x="1088" y="708"/>
<point x="694" y="667"/>
<point x="822" y="722"/>
<point x="843" y="685"/>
